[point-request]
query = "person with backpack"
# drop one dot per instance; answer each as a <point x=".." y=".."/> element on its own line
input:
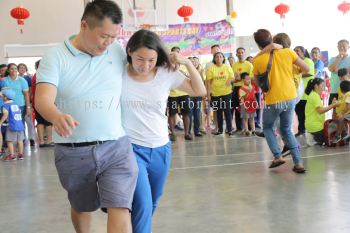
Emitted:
<point x="315" y="111"/>
<point x="15" y="130"/>
<point x="280" y="99"/>
<point x="248" y="104"/>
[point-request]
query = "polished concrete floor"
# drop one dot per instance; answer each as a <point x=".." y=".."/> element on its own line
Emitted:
<point x="216" y="185"/>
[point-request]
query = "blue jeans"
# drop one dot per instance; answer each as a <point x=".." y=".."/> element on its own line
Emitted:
<point x="153" y="165"/>
<point x="195" y="114"/>
<point x="285" y="111"/>
<point x="258" y="110"/>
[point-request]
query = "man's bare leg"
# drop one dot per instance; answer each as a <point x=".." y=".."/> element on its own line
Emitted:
<point x="119" y="221"/>
<point x="81" y="221"/>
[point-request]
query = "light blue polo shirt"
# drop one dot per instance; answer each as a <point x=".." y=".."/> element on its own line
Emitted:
<point x="18" y="85"/>
<point x="335" y="81"/>
<point x="88" y="88"/>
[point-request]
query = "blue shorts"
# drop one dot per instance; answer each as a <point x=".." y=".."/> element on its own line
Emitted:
<point x="97" y="176"/>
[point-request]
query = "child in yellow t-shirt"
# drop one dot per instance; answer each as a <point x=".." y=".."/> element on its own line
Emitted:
<point x="248" y="103"/>
<point x="343" y="74"/>
<point x="343" y="112"/>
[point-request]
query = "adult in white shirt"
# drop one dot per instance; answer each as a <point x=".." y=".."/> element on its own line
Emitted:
<point x="147" y="82"/>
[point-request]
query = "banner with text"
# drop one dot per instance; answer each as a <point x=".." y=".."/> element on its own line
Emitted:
<point x="194" y="38"/>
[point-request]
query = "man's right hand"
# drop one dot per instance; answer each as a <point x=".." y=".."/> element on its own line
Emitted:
<point x="63" y="125"/>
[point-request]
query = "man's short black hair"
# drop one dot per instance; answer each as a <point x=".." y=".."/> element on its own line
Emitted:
<point x="345" y="86"/>
<point x="342" y="72"/>
<point x="96" y="11"/>
<point x="175" y="48"/>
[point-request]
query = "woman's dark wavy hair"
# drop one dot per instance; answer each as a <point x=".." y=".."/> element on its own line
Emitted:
<point x="311" y="85"/>
<point x="150" y="40"/>
<point x="217" y="54"/>
<point x="7" y="73"/>
<point x="303" y="50"/>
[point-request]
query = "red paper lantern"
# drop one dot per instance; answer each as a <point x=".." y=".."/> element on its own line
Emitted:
<point x="185" y="12"/>
<point x="20" y="13"/>
<point x="282" y="10"/>
<point x="344" y="7"/>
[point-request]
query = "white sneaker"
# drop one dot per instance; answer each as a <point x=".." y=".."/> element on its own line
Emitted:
<point x="310" y="141"/>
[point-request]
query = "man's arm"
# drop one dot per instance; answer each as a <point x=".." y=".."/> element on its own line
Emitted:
<point x="45" y="96"/>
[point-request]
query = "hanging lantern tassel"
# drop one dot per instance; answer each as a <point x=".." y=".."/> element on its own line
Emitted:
<point x="282" y="10"/>
<point x="344" y="7"/>
<point x="20" y="13"/>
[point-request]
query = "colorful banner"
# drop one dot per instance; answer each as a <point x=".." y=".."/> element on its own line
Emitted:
<point x="194" y="38"/>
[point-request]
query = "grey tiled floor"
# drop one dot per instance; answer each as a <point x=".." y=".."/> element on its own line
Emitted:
<point x="216" y="185"/>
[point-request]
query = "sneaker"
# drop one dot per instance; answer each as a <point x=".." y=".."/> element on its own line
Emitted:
<point x="246" y="133"/>
<point x="172" y="137"/>
<point x="188" y="137"/>
<point x="344" y="137"/>
<point x="179" y="126"/>
<point x="285" y="151"/>
<point x="299" y="134"/>
<point x="260" y="134"/>
<point x="337" y="139"/>
<point x="203" y="131"/>
<point x="217" y="133"/>
<point x="199" y="134"/>
<point x="9" y="157"/>
<point x="230" y="134"/>
<point x="32" y="142"/>
<point x="20" y="157"/>
<point x="214" y="131"/>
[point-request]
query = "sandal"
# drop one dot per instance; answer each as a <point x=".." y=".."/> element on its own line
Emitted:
<point x="299" y="170"/>
<point x="276" y="163"/>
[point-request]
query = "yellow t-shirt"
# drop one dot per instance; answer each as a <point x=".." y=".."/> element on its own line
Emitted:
<point x="239" y="67"/>
<point x="313" y="120"/>
<point x="311" y="72"/>
<point x="344" y="100"/>
<point x="176" y="92"/>
<point x="282" y="86"/>
<point x="219" y="76"/>
<point x="297" y="75"/>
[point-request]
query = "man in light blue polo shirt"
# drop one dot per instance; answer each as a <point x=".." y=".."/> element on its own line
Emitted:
<point x="78" y="90"/>
<point x="342" y="60"/>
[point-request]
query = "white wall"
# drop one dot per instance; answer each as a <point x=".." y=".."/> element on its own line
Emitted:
<point x="50" y="21"/>
<point x="309" y="22"/>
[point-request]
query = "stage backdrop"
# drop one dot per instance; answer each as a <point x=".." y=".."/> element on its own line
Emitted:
<point x="194" y="38"/>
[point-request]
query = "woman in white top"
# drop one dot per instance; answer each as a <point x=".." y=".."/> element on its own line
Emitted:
<point x="149" y="76"/>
